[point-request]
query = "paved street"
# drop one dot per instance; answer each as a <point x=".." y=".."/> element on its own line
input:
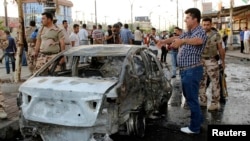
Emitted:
<point x="235" y="111"/>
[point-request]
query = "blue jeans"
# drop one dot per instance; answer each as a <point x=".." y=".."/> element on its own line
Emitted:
<point x="190" y="79"/>
<point x="24" y="60"/>
<point x="174" y="61"/>
<point x="9" y="57"/>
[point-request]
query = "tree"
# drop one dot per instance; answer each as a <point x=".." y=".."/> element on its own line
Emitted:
<point x="20" y="42"/>
<point x="2" y="27"/>
<point x="171" y="28"/>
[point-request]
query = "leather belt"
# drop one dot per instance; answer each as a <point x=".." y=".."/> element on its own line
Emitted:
<point x="189" y="67"/>
<point x="48" y="53"/>
<point x="207" y="58"/>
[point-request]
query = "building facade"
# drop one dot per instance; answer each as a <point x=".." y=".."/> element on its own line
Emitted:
<point x="33" y="9"/>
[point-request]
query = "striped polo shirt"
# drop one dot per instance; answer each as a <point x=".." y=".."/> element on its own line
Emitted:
<point x="191" y="54"/>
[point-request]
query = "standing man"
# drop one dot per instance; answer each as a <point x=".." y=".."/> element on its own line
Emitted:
<point x="116" y="33"/>
<point x="174" y="53"/>
<point x="97" y="34"/>
<point x="50" y="41"/>
<point x="83" y="35"/>
<point x="164" y="50"/>
<point x="242" y="40"/>
<point x="9" y="53"/>
<point x="210" y="58"/>
<point x="138" y="36"/>
<point x="126" y="35"/>
<point x="74" y="37"/>
<point x="192" y="44"/>
<point x="31" y="45"/>
<point x="152" y="41"/>
<point x="66" y="33"/>
<point x="246" y="40"/>
<point x="109" y="35"/>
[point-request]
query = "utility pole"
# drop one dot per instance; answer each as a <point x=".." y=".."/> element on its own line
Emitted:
<point x="177" y="12"/>
<point x="5" y="13"/>
<point x="231" y="25"/>
<point x="95" y="14"/>
<point x="159" y="23"/>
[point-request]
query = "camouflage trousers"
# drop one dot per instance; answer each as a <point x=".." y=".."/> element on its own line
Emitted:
<point x="211" y="70"/>
<point x="42" y="59"/>
<point x="1" y="100"/>
<point x="30" y="59"/>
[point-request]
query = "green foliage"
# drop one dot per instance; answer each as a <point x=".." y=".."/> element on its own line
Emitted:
<point x="2" y="27"/>
<point x="171" y="29"/>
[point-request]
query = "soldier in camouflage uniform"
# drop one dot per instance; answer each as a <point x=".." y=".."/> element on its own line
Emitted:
<point x="3" y="45"/>
<point x="31" y="45"/>
<point x="50" y="41"/>
<point x="210" y="59"/>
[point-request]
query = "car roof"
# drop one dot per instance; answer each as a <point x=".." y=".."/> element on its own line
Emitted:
<point x="101" y="50"/>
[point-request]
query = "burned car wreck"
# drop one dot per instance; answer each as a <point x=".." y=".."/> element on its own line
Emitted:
<point x="114" y="91"/>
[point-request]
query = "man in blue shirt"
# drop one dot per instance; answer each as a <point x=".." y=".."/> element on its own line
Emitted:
<point x="9" y="53"/>
<point x="191" y="45"/>
<point x="126" y="35"/>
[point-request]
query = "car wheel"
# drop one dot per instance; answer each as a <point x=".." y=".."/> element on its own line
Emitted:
<point x="136" y="124"/>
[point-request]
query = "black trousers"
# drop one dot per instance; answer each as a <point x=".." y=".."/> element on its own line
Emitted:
<point x="241" y="46"/>
<point x="164" y="52"/>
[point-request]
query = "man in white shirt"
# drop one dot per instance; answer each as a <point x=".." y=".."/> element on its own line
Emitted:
<point x="74" y="41"/>
<point x="246" y="41"/>
<point x="83" y="34"/>
<point x="138" y="36"/>
<point x="74" y="37"/>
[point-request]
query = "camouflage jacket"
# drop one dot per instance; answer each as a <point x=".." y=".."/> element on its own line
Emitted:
<point x="50" y="38"/>
<point x="211" y="49"/>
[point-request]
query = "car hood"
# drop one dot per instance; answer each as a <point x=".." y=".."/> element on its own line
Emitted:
<point x="64" y="101"/>
<point x="76" y="84"/>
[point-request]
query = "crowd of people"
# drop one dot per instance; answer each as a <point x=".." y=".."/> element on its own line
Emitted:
<point x="195" y="52"/>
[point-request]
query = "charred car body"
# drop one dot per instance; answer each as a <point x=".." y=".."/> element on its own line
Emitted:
<point x="114" y="91"/>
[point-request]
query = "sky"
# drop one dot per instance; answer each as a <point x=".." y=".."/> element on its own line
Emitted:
<point x="111" y="11"/>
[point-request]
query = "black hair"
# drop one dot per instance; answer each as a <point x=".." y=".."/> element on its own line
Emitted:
<point x="137" y="27"/>
<point x="7" y="32"/>
<point x="109" y="26"/>
<point x="177" y="28"/>
<point x="48" y="15"/>
<point x="214" y="29"/>
<point x="64" y="21"/>
<point x="116" y="25"/>
<point x="207" y="19"/>
<point x="153" y="28"/>
<point x="32" y="23"/>
<point x="84" y="25"/>
<point x="120" y="24"/>
<point x="99" y="26"/>
<point x="194" y="13"/>
<point x="75" y="25"/>
<point x="125" y="25"/>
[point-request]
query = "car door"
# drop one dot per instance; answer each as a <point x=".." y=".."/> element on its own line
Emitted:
<point x="158" y="88"/>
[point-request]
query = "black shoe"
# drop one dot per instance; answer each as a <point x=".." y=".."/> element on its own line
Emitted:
<point x="173" y="76"/>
